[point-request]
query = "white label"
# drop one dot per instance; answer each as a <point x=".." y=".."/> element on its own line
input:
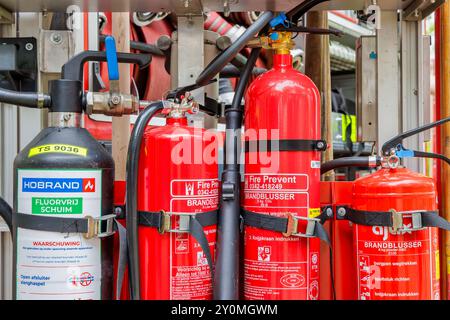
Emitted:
<point x="53" y="265"/>
<point x="315" y="164"/>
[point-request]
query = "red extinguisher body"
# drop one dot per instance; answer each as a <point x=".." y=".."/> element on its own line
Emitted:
<point x="177" y="173"/>
<point x="281" y="104"/>
<point x="398" y="265"/>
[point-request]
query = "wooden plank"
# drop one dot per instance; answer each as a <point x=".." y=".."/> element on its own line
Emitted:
<point x="445" y="134"/>
<point x="121" y="125"/>
<point x="317" y="67"/>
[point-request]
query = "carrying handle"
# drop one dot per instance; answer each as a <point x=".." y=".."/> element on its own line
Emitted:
<point x="397" y="140"/>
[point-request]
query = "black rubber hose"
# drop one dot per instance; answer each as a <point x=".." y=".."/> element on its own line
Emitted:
<point x="368" y="162"/>
<point x="430" y="155"/>
<point x="217" y="64"/>
<point x="6" y="213"/>
<point x="300" y="10"/>
<point x="226" y="275"/>
<point x="141" y="46"/>
<point x="24" y="99"/>
<point x="230" y="71"/>
<point x="131" y="201"/>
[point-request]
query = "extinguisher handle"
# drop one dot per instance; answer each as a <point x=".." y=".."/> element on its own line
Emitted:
<point x="73" y="69"/>
<point x="397" y="140"/>
<point x="111" y="58"/>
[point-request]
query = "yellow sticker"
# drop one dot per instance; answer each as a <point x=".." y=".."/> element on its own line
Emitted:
<point x="314" y="212"/>
<point x="57" y="148"/>
<point x="438" y="271"/>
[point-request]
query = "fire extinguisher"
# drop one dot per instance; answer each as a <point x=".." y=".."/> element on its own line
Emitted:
<point x="63" y="218"/>
<point x="171" y="207"/>
<point x="395" y="225"/>
<point x="282" y="215"/>
<point x="227" y="275"/>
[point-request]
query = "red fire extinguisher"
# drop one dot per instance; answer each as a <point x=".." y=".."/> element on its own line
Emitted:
<point x="281" y="184"/>
<point x="177" y="200"/>
<point x="399" y="261"/>
<point x="395" y="220"/>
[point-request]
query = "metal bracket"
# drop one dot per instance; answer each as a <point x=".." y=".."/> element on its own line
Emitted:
<point x="18" y="64"/>
<point x="227" y="191"/>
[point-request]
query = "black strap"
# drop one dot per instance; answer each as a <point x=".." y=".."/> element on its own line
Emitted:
<point x="285" y="145"/>
<point x="55" y="224"/>
<point x="196" y="224"/>
<point x="386" y="219"/>
<point x="50" y="223"/>
<point x="280" y="224"/>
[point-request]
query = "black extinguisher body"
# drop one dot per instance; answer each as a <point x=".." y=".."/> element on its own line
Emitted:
<point x="64" y="172"/>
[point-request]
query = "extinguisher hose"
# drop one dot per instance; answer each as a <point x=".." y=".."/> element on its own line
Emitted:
<point x="226" y="275"/>
<point x="131" y="200"/>
<point x="6" y="213"/>
<point x="25" y="99"/>
<point x="367" y="162"/>
<point x="220" y="61"/>
<point x="300" y="10"/>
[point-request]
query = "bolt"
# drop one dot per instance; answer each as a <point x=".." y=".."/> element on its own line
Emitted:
<point x="341" y="212"/>
<point x="226" y="8"/>
<point x="56" y="38"/>
<point x="29" y="46"/>
<point x="117" y="211"/>
<point x="320" y="145"/>
<point x="115" y="99"/>
<point x="329" y="212"/>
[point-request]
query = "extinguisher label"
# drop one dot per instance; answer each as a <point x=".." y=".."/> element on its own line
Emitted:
<point x="52" y="265"/>
<point x="190" y="274"/>
<point x="270" y="273"/>
<point x="398" y="265"/>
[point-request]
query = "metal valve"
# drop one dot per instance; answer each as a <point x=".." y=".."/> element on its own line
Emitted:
<point x="112" y="103"/>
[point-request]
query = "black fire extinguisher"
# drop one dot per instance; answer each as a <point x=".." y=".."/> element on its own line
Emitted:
<point x="63" y="218"/>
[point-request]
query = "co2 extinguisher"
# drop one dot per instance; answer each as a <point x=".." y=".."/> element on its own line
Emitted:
<point x="172" y="201"/>
<point x="62" y="223"/>
<point x="395" y="225"/>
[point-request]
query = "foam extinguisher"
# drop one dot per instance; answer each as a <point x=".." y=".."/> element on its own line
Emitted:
<point x="63" y="218"/>
<point x="172" y="202"/>
<point x="395" y="219"/>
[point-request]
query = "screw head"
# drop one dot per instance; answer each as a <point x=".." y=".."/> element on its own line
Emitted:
<point x="329" y="212"/>
<point x="341" y="212"/>
<point x="56" y="38"/>
<point x="29" y="46"/>
<point x="320" y="145"/>
<point x="115" y="99"/>
<point x="117" y="211"/>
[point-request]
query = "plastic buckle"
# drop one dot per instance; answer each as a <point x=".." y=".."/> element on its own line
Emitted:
<point x="292" y="226"/>
<point x="398" y="223"/>
<point x="94" y="226"/>
<point x="166" y="222"/>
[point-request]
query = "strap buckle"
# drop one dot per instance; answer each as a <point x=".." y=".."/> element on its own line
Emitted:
<point x="94" y="226"/>
<point x="398" y="223"/>
<point x="166" y="222"/>
<point x="292" y="226"/>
